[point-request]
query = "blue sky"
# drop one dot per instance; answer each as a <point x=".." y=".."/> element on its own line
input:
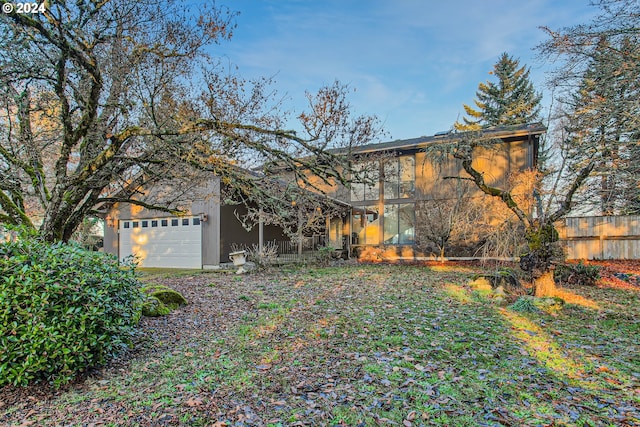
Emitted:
<point x="412" y="63"/>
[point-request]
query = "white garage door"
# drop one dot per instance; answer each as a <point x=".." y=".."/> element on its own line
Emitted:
<point x="162" y="242"/>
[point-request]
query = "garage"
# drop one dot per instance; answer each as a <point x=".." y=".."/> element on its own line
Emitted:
<point x="162" y="242"/>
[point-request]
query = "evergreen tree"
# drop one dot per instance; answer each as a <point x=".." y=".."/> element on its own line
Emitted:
<point x="597" y="79"/>
<point x="510" y="101"/>
<point x="603" y="118"/>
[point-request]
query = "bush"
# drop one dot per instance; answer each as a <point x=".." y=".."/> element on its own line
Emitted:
<point x="577" y="274"/>
<point x="264" y="258"/>
<point x="62" y="309"/>
<point x="325" y="255"/>
<point x="525" y="304"/>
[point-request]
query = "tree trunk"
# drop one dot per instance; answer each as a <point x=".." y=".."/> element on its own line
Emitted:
<point x="442" y="253"/>
<point x="300" y="237"/>
<point x="544" y="285"/>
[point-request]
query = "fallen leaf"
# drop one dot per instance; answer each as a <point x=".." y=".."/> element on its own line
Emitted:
<point x="195" y="401"/>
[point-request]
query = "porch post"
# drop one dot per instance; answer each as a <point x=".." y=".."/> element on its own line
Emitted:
<point x="260" y="231"/>
<point x="300" y="219"/>
<point x="327" y="231"/>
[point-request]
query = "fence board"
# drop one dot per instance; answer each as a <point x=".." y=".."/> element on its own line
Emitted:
<point x="601" y="237"/>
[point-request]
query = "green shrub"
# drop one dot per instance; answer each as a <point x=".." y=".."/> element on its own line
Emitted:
<point x="525" y="304"/>
<point x="325" y="255"/>
<point x="62" y="309"/>
<point x="577" y="274"/>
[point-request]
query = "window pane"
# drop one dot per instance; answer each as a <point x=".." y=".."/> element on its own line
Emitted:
<point x="391" y="224"/>
<point x="135" y="224"/>
<point x="399" y="221"/>
<point x="366" y="185"/>
<point x="196" y="221"/>
<point x="126" y="224"/>
<point x="185" y="221"/>
<point x="371" y="232"/>
<point x="174" y="222"/>
<point x="164" y="222"/>
<point x="407" y="189"/>
<point x="391" y="179"/>
<point x="406" y="224"/>
<point x="357" y="192"/>
<point x="145" y="224"/>
<point x="154" y="223"/>
<point x="372" y="192"/>
<point x="407" y="176"/>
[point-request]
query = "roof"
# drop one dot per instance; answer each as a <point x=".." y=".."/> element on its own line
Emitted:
<point x="512" y="131"/>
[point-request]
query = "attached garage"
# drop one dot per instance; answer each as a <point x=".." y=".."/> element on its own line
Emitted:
<point x="168" y="242"/>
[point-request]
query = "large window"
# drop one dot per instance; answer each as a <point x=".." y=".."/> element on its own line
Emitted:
<point x="366" y="226"/>
<point x="399" y="177"/>
<point x="366" y="182"/>
<point x="382" y="193"/>
<point x="399" y="224"/>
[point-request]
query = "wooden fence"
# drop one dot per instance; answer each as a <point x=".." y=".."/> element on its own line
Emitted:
<point x="601" y="237"/>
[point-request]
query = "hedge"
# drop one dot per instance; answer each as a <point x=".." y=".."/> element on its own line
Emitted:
<point x="63" y="309"/>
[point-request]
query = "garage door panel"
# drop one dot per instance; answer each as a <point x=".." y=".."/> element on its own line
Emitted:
<point x="170" y="246"/>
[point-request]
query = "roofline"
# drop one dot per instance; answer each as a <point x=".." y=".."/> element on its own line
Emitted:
<point x="421" y="142"/>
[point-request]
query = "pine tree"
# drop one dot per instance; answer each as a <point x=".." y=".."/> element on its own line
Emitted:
<point x="598" y="66"/>
<point x="603" y="117"/>
<point x="510" y="101"/>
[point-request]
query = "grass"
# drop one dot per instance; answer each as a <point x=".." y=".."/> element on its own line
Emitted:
<point x="378" y="345"/>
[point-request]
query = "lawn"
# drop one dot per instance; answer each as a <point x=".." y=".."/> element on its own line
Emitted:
<point x="359" y="345"/>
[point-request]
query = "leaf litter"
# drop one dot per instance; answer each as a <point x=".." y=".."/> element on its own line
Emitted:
<point x="356" y="345"/>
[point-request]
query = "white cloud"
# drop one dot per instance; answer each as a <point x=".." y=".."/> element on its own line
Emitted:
<point x="412" y="61"/>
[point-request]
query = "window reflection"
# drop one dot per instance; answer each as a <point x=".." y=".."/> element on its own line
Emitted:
<point x="399" y="224"/>
<point x="366" y="226"/>
<point x="365" y="182"/>
<point x="399" y="177"/>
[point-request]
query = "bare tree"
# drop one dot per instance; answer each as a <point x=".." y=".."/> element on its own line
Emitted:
<point x="102" y="100"/>
<point x="539" y="230"/>
<point x="445" y="217"/>
<point x="297" y="211"/>
<point x="579" y="151"/>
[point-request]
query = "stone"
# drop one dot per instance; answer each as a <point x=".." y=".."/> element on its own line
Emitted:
<point x="161" y="300"/>
<point x="499" y="292"/>
<point x="481" y="284"/>
<point x="153" y="307"/>
<point x="549" y="304"/>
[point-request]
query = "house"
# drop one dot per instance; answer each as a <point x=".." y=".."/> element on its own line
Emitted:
<point x="201" y="237"/>
<point x="207" y="229"/>
<point x="394" y="186"/>
<point x="390" y="208"/>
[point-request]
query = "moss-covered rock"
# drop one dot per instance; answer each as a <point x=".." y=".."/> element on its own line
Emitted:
<point x="161" y="300"/>
<point x="549" y="304"/>
<point x="153" y="307"/>
<point x="481" y="285"/>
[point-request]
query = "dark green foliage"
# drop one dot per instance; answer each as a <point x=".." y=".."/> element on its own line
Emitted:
<point x="577" y="274"/>
<point x="62" y="310"/>
<point x="511" y="101"/>
<point x="524" y="304"/>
